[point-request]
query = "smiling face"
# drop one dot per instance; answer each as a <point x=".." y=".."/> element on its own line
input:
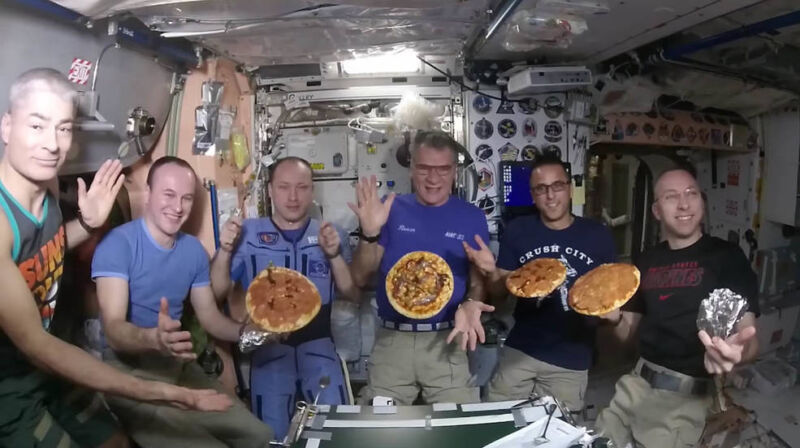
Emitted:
<point x="679" y="206"/>
<point x="170" y="198"/>
<point x="37" y="133"/>
<point x="551" y="191"/>
<point x="433" y="172"/>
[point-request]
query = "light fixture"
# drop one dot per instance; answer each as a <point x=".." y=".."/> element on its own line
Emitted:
<point x="403" y="62"/>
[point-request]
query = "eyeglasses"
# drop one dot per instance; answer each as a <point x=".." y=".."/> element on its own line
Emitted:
<point x="556" y="187"/>
<point x="673" y="197"/>
<point x="426" y="170"/>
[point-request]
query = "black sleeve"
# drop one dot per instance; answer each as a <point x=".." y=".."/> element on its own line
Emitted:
<point x="636" y="304"/>
<point x="738" y="276"/>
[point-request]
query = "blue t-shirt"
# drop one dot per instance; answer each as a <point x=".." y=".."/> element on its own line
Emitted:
<point x="549" y="330"/>
<point x="262" y="243"/>
<point x="130" y="252"/>
<point x="411" y="227"/>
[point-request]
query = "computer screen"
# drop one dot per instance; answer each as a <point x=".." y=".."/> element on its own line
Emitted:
<point x="515" y="184"/>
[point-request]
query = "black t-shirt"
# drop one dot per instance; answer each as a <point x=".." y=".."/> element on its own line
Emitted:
<point x="674" y="282"/>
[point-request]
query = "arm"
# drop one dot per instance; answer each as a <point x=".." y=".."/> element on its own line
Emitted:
<point x="372" y="215"/>
<point x="221" y="263"/>
<point x="625" y="324"/>
<point x="723" y="354"/>
<point x="122" y="336"/>
<point x="96" y="203"/>
<point x="483" y="260"/>
<point x="20" y="321"/>
<point x="212" y="320"/>
<point x="333" y="247"/>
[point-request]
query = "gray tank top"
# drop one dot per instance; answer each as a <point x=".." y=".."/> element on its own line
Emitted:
<point x="38" y="250"/>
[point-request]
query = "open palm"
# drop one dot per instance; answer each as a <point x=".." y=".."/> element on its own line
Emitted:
<point x="371" y="211"/>
<point x="96" y="203"/>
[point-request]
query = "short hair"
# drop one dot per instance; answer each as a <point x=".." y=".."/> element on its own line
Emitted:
<point x="549" y="159"/>
<point x="436" y="140"/>
<point x="685" y="167"/>
<point x="41" y="79"/>
<point x="274" y="167"/>
<point x="167" y="160"/>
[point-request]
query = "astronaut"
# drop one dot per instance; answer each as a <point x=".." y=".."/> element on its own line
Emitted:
<point x="290" y="238"/>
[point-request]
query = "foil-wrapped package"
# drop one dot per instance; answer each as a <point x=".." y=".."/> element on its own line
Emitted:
<point x="720" y="312"/>
<point x="253" y="337"/>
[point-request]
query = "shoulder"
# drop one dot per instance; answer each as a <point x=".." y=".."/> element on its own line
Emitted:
<point x="123" y="234"/>
<point x="522" y="224"/>
<point x="594" y="227"/>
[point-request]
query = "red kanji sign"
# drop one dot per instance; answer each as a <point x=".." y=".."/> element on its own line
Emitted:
<point x="79" y="71"/>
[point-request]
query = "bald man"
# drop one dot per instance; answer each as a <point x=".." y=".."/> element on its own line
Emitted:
<point x="665" y="400"/>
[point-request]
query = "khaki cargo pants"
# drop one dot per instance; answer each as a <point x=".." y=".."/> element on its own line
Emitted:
<point x="518" y="375"/>
<point x="403" y="363"/>
<point x="157" y="426"/>
<point x="640" y="416"/>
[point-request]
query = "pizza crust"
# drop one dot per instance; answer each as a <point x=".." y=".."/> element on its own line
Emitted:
<point x="281" y="300"/>
<point x="419" y="285"/>
<point x="537" y="278"/>
<point x="604" y="289"/>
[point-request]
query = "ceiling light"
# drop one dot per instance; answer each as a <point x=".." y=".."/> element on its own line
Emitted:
<point x="403" y="62"/>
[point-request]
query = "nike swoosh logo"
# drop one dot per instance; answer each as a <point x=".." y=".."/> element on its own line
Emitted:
<point x="664" y="296"/>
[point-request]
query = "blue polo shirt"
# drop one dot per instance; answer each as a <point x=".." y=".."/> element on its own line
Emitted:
<point x="549" y="330"/>
<point x="412" y="226"/>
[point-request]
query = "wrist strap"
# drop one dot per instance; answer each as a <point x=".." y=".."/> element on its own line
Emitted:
<point x="85" y="226"/>
<point x="368" y="239"/>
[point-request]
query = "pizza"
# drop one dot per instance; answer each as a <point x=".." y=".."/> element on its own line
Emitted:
<point x="419" y="285"/>
<point x="281" y="300"/>
<point x="604" y="289"/>
<point x="537" y="278"/>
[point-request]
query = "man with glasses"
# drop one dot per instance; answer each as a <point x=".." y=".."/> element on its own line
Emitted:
<point x="665" y="400"/>
<point x="549" y="349"/>
<point x="413" y="356"/>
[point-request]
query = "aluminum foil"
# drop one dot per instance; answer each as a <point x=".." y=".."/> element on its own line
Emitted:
<point x="253" y="337"/>
<point x="719" y="312"/>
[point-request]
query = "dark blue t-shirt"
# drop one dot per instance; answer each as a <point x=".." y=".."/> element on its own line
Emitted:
<point x="549" y="330"/>
<point x="412" y="226"/>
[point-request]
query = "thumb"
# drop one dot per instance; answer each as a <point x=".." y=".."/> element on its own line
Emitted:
<point x="487" y="308"/>
<point x="741" y="337"/>
<point x="81" y="188"/>
<point x="480" y="242"/>
<point x="164" y="309"/>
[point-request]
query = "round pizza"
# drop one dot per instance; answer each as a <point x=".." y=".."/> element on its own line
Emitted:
<point x="604" y="289"/>
<point x="537" y="278"/>
<point x="419" y="285"/>
<point x="281" y="300"/>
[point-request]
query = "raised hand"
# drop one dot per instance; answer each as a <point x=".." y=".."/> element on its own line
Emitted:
<point x="171" y="341"/>
<point x="229" y="234"/>
<point x="96" y="203"/>
<point x="721" y="355"/>
<point x="483" y="259"/>
<point x="372" y="213"/>
<point x="468" y="324"/>
<point x="329" y="240"/>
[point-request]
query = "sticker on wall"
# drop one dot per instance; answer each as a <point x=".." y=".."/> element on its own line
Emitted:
<point x="486" y="179"/>
<point x="663" y="132"/>
<point x="734" y="168"/>
<point x="553" y="107"/>
<point x="632" y="129"/>
<point x="618" y="133"/>
<point x="79" y="71"/>
<point x="482" y="104"/>
<point x="552" y="151"/>
<point x="508" y="152"/>
<point x="530" y="152"/>
<point x="697" y="117"/>
<point x="553" y="131"/>
<point x="716" y="137"/>
<point x="731" y="207"/>
<point x="691" y="134"/>
<point x="702" y="134"/>
<point x="648" y="130"/>
<point x="505" y="108"/>
<point x="483" y="129"/>
<point x="484" y="152"/>
<point x="677" y="133"/>
<point x="529" y="128"/>
<point x="507" y="128"/>
<point x="486" y="204"/>
<point x="528" y="107"/>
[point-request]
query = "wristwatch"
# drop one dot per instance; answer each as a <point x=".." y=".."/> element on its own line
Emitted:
<point x="369" y="239"/>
